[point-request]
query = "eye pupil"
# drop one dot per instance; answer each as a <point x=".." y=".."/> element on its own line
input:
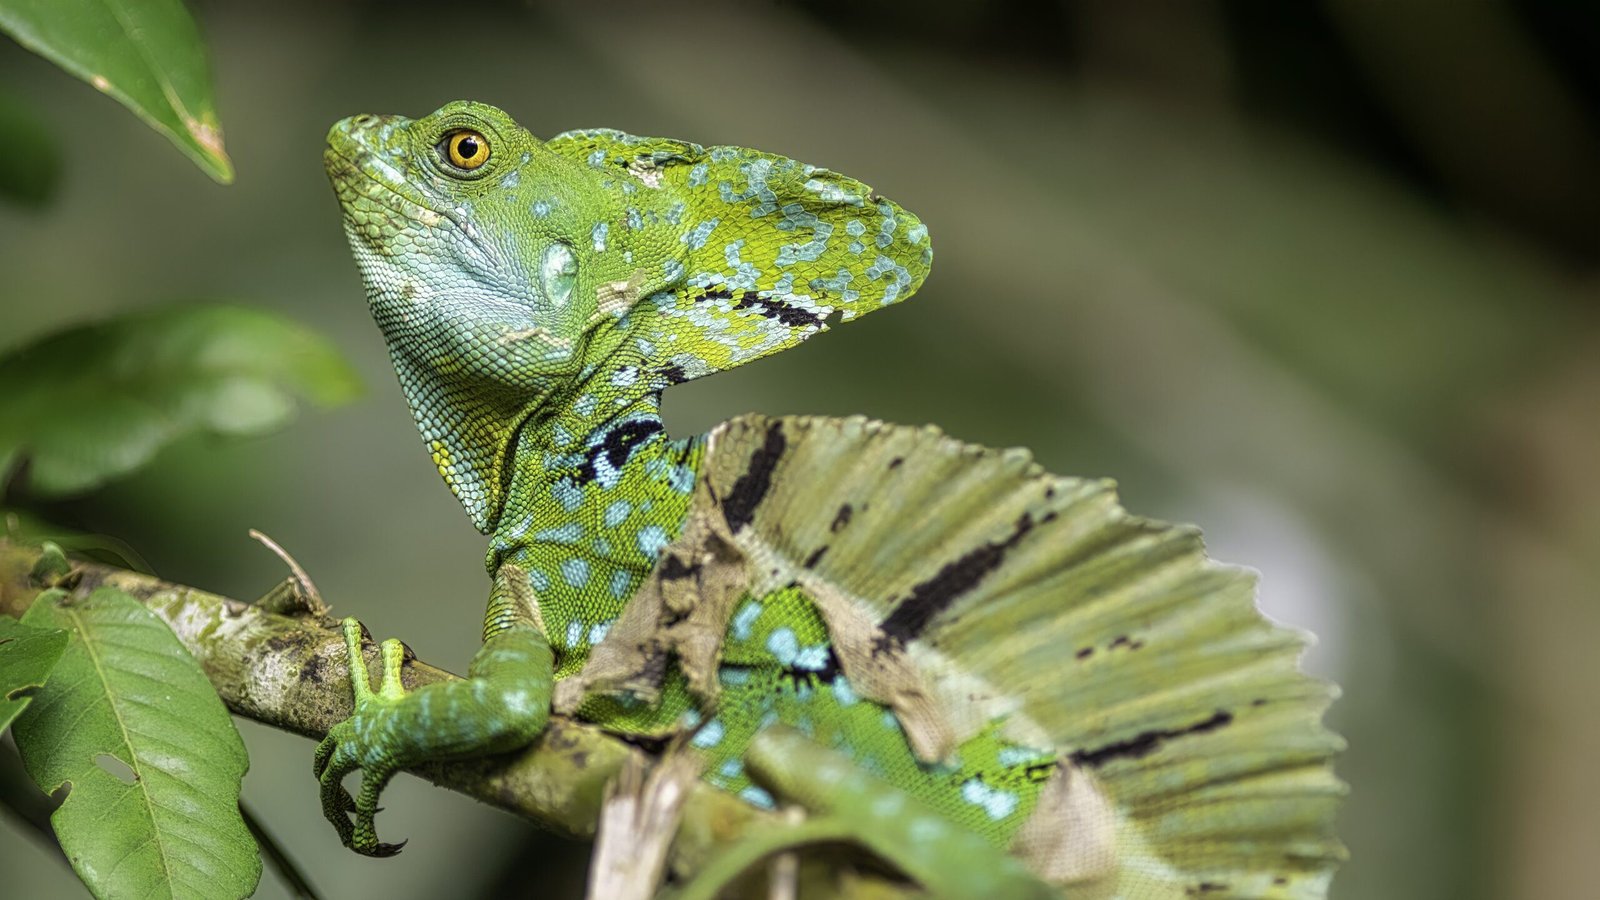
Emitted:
<point x="466" y="149"/>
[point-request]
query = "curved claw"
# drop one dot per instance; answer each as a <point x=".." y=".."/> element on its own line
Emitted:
<point x="344" y="751"/>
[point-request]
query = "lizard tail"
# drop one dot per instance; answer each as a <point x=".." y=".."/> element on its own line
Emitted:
<point x="1192" y="756"/>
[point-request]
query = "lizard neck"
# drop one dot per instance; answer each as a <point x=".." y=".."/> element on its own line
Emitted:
<point x="596" y="489"/>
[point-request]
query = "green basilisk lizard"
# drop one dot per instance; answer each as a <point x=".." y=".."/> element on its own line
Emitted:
<point x="1030" y="691"/>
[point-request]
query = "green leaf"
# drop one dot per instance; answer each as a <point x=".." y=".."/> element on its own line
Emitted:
<point x="97" y="401"/>
<point x="129" y="723"/>
<point x="24" y="527"/>
<point x="29" y="167"/>
<point x="148" y="54"/>
<point x="27" y="655"/>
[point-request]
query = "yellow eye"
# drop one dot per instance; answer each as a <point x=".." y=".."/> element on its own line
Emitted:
<point x="466" y="149"/>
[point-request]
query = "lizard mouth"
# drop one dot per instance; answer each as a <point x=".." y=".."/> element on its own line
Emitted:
<point x="374" y="193"/>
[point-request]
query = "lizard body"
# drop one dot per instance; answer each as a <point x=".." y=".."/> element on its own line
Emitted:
<point x="537" y="297"/>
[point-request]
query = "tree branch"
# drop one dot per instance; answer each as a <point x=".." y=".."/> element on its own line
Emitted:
<point x="290" y="672"/>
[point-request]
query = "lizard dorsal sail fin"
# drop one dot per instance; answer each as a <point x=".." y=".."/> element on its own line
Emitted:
<point x="742" y="253"/>
<point x="1192" y="755"/>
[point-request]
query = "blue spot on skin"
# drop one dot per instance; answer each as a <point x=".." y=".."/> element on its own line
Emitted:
<point x="783" y="645"/>
<point x="598" y="632"/>
<point x="635" y="221"/>
<point x="731" y="768"/>
<point x="617" y="513"/>
<point x="812" y="659"/>
<point x="709" y="736"/>
<point x="541" y="208"/>
<point x="734" y="675"/>
<point x="889" y="805"/>
<point x="567" y="494"/>
<point x="574" y="633"/>
<point x="681" y="479"/>
<point x="570" y="533"/>
<point x="1018" y="756"/>
<point x="833" y="193"/>
<point x="538" y="580"/>
<point x="599" y="236"/>
<point x="651" y="539"/>
<point x="745" y="618"/>
<point x="926" y="829"/>
<point x="701" y="233"/>
<point x="625" y="376"/>
<point x="757" y="797"/>
<point x="843" y="693"/>
<point x="602" y="547"/>
<point x="597" y="158"/>
<point x="575" y="572"/>
<point x="697" y="175"/>
<point x="672" y="270"/>
<point x="997" y="803"/>
<point x="621" y="581"/>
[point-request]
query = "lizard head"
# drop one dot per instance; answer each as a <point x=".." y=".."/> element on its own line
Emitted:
<point x="468" y="236"/>
<point x="509" y="273"/>
<point x="465" y="229"/>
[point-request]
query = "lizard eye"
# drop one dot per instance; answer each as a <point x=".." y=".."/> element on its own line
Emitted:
<point x="466" y="149"/>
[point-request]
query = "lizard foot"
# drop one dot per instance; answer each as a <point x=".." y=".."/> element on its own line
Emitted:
<point x="363" y="741"/>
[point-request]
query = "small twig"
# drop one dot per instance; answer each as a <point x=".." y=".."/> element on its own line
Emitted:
<point x="306" y="597"/>
<point x="273" y="853"/>
<point x="638" y="823"/>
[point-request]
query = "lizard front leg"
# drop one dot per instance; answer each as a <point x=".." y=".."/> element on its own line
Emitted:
<point x="502" y="704"/>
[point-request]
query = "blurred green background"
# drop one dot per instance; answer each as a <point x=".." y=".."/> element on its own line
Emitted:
<point x="1320" y="277"/>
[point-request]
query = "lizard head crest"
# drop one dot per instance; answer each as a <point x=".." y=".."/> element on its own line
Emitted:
<point x="506" y="271"/>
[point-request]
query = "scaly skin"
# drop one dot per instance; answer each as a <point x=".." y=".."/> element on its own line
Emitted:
<point x="535" y="308"/>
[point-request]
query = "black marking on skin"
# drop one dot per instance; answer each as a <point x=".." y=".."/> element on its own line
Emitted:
<point x="751" y="487"/>
<point x="617" y="445"/>
<point x="1147" y="742"/>
<point x="1085" y="653"/>
<point x="830" y="670"/>
<point x="841" y="518"/>
<point x="932" y="597"/>
<point x="882" y="643"/>
<point x="766" y="307"/>
<point x="1039" y="773"/>
<point x="1123" y="640"/>
<point x="815" y="557"/>
<point x="1205" y="887"/>
<point x="771" y="308"/>
<point x="675" y="569"/>
<point x="673" y="373"/>
<point x="897" y="462"/>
